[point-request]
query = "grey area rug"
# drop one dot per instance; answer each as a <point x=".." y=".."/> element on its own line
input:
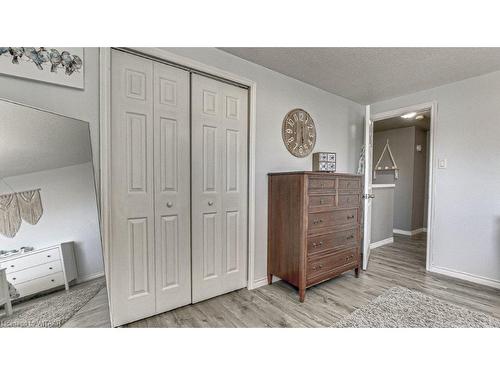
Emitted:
<point x="400" y="307"/>
<point x="54" y="310"/>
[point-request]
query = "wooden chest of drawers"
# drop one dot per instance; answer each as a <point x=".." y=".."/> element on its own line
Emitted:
<point x="314" y="229"/>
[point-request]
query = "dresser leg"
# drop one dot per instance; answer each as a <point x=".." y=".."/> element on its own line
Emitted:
<point x="8" y="308"/>
<point x="269" y="278"/>
<point x="356" y="272"/>
<point x="302" y="295"/>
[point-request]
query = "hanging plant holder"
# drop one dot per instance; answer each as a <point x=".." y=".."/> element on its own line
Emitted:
<point x="394" y="166"/>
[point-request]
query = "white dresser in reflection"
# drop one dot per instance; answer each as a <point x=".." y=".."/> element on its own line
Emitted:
<point x="41" y="269"/>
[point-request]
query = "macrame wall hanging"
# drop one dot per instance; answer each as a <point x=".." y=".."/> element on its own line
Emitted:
<point x="17" y="206"/>
<point x="393" y="167"/>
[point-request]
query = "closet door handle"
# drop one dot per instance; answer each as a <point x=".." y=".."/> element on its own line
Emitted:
<point x="170" y="204"/>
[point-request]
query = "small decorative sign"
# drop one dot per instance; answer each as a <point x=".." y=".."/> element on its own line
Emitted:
<point x="324" y="162"/>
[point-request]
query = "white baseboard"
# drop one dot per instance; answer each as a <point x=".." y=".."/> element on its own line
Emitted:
<point x="89" y="277"/>
<point x="257" y="283"/>
<point x="383" y="242"/>
<point x="409" y="232"/>
<point x="466" y="276"/>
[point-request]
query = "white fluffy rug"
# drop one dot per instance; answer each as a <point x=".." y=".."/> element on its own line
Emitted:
<point x="52" y="310"/>
<point x="401" y="307"/>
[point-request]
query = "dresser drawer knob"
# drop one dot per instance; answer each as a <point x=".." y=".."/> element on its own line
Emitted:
<point x="48" y="256"/>
<point x="50" y="268"/>
<point x="52" y="280"/>
<point x="12" y="266"/>
<point x="350" y="237"/>
<point x="13" y="278"/>
<point x="350" y="217"/>
<point x="170" y="204"/>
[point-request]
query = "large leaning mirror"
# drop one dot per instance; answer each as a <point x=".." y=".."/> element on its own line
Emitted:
<point x="51" y="263"/>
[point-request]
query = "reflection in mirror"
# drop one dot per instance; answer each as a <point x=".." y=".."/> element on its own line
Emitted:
<point x="51" y="265"/>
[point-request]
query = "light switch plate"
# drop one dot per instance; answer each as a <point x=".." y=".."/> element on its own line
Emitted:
<point x="442" y="163"/>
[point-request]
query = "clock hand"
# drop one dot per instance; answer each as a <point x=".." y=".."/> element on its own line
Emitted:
<point x="304" y="135"/>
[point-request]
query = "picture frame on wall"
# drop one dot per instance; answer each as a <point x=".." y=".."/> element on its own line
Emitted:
<point x="62" y="66"/>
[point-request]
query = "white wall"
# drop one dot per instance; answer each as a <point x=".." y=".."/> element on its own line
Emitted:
<point x="339" y="126"/>
<point x="71" y="102"/>
<point x="382" y="213"/>
<point x="401" y="141"/>
<point x="70" y="214"/>
<point x="466" y="224"/>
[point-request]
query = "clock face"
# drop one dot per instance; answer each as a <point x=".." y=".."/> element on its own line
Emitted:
<point x="299" y="132"/>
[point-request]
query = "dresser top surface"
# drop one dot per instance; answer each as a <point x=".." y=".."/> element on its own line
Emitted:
<point x="311" y="173"/>
<point x="23" y="254"/>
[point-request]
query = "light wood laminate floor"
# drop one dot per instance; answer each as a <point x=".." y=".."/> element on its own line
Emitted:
<point x="401" y="263"/>
<point x="95" y="314"/>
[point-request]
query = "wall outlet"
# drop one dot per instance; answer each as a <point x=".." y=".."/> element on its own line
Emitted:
<point x="442" y="163"/>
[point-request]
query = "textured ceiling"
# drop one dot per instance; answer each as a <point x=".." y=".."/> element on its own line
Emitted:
<point x="32" y="140"/>
<point x="369" y="75"/>
<point x="399" y="122"/>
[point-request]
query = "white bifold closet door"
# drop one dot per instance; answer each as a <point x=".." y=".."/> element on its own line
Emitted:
<point x="219" y="122"/>
<point x="150" y="268"/>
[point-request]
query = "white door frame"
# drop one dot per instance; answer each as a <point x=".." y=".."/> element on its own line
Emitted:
<point x="431" y="191"/>
<point x="105" y="151"/>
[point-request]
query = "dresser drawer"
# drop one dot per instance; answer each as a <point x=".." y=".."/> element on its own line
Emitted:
<point x="30" y="260"/>
<point x="326" y="264"/>
<point x="345" y="217"/>
<point x="317" y="202"/>
<point x="349" y="183"/>
<point x="321" y="184"/>
<point x="34" y="272"/>
<point x="332" y="242"/>
<point x="349" y="200"/>
<point x="40" y="284"/>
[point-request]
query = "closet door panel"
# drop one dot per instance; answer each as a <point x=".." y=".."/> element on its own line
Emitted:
<point x="132" y="272"/>
<point x="219" y="120"/>
<point x="172" y="187"/>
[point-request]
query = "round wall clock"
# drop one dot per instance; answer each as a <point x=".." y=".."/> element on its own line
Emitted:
<point x="299" y="132"/>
